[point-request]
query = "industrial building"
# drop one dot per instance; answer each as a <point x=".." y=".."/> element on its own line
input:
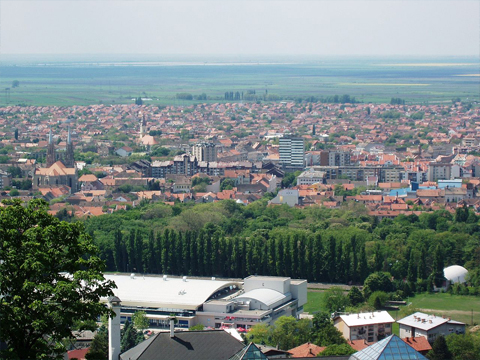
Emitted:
<point x="213" y="303"/>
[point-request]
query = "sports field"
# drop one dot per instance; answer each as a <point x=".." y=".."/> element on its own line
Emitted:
<point x="71" y="82"/>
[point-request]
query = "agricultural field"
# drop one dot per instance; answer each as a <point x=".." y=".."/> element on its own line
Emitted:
<point x="367" y="79"/>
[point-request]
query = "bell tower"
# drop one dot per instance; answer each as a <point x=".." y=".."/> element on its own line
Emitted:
<point x="50" y="150"/>
<point x="69" y="161"/>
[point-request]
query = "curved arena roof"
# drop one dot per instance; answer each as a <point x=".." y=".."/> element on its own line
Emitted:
<point x="455" y="273"/>
<point x="174" y="293"/>
<point x="265" y="296"/>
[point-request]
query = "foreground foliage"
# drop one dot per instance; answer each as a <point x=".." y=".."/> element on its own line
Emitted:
<point x="50" y="279"/>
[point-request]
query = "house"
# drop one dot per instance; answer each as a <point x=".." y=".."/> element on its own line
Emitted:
<point x="306" y="350"/>
<point x="183" y="345"/>
<point x="286" y="196"/>
<point x="429" y="326"/>
<point x="420" y="344"/>
<point x="372" y="326"/>
<point x="124" y="151"/>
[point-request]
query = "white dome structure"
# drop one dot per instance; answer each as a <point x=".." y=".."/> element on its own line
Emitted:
<point x="455" y="274"/>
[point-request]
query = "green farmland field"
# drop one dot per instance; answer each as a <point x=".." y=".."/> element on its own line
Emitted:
<point x="367" y="79"/>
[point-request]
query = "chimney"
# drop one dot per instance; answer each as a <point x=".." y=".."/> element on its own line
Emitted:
<point x="114" y="329"/>
<point x="172" y="327"/>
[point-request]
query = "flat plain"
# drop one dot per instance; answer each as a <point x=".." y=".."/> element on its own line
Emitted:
<point x="367" y="79"/>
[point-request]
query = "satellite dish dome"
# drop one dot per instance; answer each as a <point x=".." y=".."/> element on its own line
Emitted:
<point x="455" y="274"/>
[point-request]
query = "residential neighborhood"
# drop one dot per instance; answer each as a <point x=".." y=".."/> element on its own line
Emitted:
<point x="393" y="159"/>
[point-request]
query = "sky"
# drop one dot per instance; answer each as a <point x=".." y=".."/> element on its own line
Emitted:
<point x="241" y="27"/>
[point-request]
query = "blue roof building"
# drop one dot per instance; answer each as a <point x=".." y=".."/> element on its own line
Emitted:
<point x="390" y="348"/>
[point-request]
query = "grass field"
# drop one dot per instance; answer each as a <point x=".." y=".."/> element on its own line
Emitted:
<point x="460" y="308"/>
<point x="314" y="301"/>
<point x="92" y="83"/>
<point x="455" y="306"/>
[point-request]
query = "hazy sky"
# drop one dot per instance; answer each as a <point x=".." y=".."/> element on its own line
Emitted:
<point x="240" y="27"/>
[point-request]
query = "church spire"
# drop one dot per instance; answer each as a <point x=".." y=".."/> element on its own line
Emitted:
<point x="51" y="157"/>
<point x="69" y="160"/>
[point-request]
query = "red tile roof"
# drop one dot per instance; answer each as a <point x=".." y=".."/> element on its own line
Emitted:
<point x="306" y="350"/>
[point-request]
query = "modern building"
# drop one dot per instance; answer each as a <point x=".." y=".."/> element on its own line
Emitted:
<point x="292" y="152"/>
<point x="339" y="158"/>
<point x="213" y="303"/>
<point x="371" y="327"/>
<point x="391" y="173"/>
<point x="205" y="151"/>
<point x="310" y="177"/>
<point x="439" y="171"/>
<point x="391" y="348"/>
<point x="429" y="326"/>
<point x="5" y="179"/>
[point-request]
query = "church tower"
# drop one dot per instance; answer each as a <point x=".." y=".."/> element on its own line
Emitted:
<point x="143" y="125"/>
<point x="69" y="161"/>
<point x="50" y="150"/>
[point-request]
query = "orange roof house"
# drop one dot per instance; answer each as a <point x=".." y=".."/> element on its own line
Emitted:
<point x="306" y="350"/>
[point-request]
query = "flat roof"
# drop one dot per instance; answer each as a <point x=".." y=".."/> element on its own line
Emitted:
<point x="423" y="321"/>
<point x="370" y="318"/>
<point x="173" y="293"/>
<point x="267" y="278"/>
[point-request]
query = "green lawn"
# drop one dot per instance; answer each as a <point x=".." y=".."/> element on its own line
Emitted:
<point x="460" y="308"/>
<point x="314" y="301"/>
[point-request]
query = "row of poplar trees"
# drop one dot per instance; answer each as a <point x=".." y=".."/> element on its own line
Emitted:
<point x="208" y="253"/>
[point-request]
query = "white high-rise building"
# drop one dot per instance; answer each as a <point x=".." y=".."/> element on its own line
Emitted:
<point x="292" y="152"/>
<point x="205" y="152"/>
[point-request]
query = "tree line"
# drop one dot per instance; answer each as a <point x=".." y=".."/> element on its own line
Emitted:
<point x="226" y="239"/>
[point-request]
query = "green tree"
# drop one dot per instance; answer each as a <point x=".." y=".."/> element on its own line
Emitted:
<point x="335" y="299"/>
<point x="337" y="350"/>
<point x="227" y="184"/>
<point x="198" y="327"/>
<point x="379" y="281"/>
<point x="138" y="101"/>
<point x="140" y="320"/>
<point x="377" y="299"/>
<point x="437" y="267"/>
<point x="289" y="332"/>
<point x="99" y="347"/>
<point x="439" y="350"/>
<point x="464" y="347"/>
<point x="130" y="337"/>
<point x="260" y="334"/>
<point x="14" y="192"/>
<point x="324" y="333"/>
<point x="50" y="278"/>
<point x="355" y="296"/>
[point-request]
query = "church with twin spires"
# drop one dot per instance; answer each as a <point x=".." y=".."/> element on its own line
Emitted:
<point x="59" y="170"/>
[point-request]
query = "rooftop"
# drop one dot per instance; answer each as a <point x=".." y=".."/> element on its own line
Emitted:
<point x="423" y="321"/>
<point x="166" y="292"/>
<point x="378" y="317"/>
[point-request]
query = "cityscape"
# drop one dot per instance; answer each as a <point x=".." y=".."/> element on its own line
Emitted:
<point x="278" y="189"/>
